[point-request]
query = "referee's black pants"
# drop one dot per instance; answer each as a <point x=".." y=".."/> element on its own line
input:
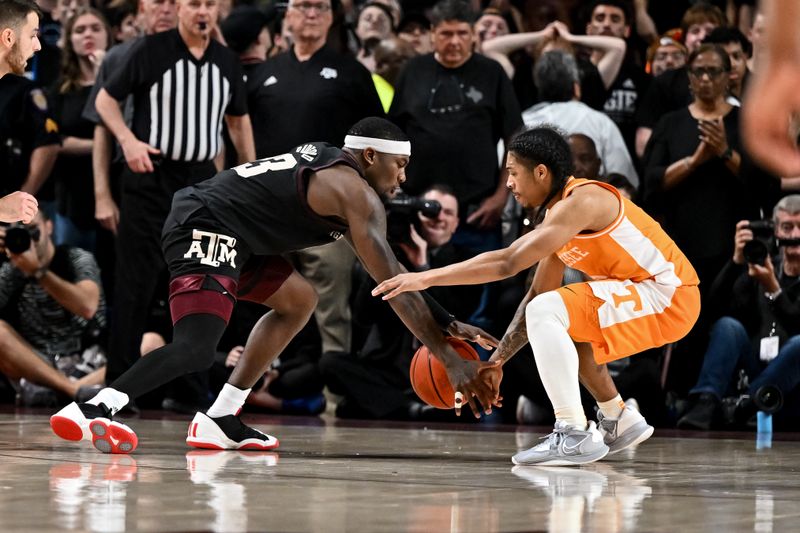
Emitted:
<point x="145" y="203"/>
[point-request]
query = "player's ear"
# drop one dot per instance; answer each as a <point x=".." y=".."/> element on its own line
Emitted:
<point x="369" y="155"/>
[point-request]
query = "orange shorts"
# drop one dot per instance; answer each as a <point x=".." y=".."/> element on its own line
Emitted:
<point x="621" y="318"/>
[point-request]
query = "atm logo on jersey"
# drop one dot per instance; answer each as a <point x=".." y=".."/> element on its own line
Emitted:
<point x="212" y="249"/>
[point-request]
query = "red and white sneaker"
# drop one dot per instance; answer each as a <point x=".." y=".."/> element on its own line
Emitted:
<point x="227" y="433"/>
<point x="83" y="421"/>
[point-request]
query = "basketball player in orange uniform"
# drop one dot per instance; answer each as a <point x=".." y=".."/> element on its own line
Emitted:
<point x="642" y="294"/>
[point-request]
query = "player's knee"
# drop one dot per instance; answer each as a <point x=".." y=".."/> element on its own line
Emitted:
<point x="196" y="357"/>
<point x="547" y="309"/>
<point x="298" y="298"/>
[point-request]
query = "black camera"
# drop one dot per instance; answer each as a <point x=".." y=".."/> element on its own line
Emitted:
<point x="401" y="213"/>
<point x="19" y="237"/>
<point x="763" y="243"/>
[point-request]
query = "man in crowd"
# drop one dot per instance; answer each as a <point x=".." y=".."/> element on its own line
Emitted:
<point x="29" y="140"/>
<point x="53" y="304"/>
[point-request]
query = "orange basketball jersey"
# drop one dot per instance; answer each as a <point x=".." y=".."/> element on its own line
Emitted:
<point x="642" y="291"/>
<point x="634" y="247"/>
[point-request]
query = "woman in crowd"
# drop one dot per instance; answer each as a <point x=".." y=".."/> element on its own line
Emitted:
<point x="86" y="38"/>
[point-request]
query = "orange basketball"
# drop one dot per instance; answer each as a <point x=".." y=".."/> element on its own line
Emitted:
<point x="429" y="378"/>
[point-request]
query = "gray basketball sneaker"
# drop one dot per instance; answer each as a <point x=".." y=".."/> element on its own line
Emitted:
<point x="565" y="446"/>
<point x="629" y="429"/>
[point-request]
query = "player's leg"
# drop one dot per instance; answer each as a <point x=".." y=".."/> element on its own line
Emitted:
<point x="192" y="349"/>
<point x="621" y="425"/>
<point x="292" y="301"/>
<point x="573" y="441"/>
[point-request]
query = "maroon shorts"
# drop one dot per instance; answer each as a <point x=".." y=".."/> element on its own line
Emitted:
<point x="206" y="293"/>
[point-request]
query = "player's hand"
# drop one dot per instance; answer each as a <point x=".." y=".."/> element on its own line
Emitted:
<point x="106" y="212"/>
<point x="493" y="375"/>
<point x="137" y="155"/>
<point x="471" y="333"/>
<point x="18" y="207"/>
<point x="488" y="215"/>
<point x="465" y="376"/>
<point x="410" y="281"/>
<point x="771" y="105"/>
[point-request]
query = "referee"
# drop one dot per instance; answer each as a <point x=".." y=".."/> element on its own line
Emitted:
<point x="183" y="83"/>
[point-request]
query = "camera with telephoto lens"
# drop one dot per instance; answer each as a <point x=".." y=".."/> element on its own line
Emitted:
<point x="402" y="211"/>
<point x="763" y="243"/>
<point x="19" y="237"/>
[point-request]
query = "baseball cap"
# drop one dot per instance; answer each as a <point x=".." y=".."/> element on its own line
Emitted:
<point x="243" y="25"/>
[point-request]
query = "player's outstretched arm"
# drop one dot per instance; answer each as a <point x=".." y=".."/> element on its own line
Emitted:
<point x="18" y="206"/>
<point x="772" y="103"/>
<point x="366" y="219"/>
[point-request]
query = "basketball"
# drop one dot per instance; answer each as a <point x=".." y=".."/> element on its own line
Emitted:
<point x="429" y="378"/>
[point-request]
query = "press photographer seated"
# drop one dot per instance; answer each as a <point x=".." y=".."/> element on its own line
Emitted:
<point x="53" y="310"/>
<point x="374" y="381"/>
<point x="757" y="296"/>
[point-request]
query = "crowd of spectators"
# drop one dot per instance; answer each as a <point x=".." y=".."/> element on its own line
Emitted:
<point x="647" y="92"/>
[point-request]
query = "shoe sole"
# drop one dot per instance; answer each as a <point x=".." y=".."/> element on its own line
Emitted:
<point x="624" y="442"/>
<point x="220" y="440"/>
<point x="213" y="444"/>
<point x="67" y="424"/>
<point x="112" y="437"/>
<point x="575" y="460"/>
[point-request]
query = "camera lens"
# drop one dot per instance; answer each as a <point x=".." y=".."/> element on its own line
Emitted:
<point x="18" y="240"/>
<point x="755" y="252"/>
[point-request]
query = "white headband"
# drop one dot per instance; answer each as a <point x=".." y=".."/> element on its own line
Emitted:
<point x="381" y="145"/>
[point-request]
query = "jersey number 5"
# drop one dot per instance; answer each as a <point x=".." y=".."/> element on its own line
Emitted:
<point x="279" y="162"/>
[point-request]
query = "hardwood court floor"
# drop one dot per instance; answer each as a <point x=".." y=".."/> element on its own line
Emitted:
<point x="328" y="476"/>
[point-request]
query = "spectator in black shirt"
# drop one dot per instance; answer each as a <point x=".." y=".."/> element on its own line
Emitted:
<point x="86" y="38"/>
<point x="28" y="136"/>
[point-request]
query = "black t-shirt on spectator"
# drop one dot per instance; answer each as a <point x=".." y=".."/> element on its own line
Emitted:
<point x="314" y="100"/>
<point x="624" y="97"/>
<point x="179" y="100"/>
<point x="25" y="124"/>
<point x="667" y="92"/>
<point x="455" y="118"/>
<point x="72" y="174"/>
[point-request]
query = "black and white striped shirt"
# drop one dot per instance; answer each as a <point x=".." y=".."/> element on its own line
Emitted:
<point x="180" y="101"/>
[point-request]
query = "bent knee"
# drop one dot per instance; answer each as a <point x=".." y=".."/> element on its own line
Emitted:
<point x="547" y="309"/>
<point x="296" y="297"/>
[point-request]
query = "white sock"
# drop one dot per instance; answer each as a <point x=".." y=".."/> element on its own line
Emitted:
<point x="114" y="399"/>
<point x="229" y="401"/>
<point x="613" y="407"/>
<point x="556" y="356"/>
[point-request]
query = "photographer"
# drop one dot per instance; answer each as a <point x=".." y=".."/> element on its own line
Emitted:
<point x="759" y="302"/>
<point x="374" y="381"/>
<point x="52" y="297"/>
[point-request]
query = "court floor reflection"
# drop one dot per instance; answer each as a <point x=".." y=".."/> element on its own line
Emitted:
<point x="387" y="478"/>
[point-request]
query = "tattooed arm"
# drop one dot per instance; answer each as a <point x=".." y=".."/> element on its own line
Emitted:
<point x="547" y="278"/>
